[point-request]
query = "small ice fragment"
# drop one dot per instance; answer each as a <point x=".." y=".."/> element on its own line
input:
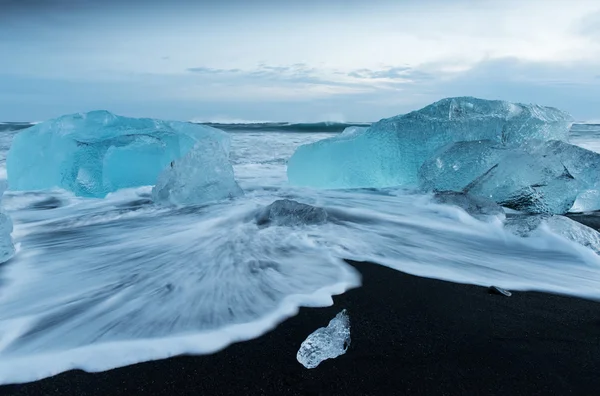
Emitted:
<point x="326" y="342"/>
<point x="499" y="291"/>
<point x="7" y="249"/>
<point x="286" y="212"/>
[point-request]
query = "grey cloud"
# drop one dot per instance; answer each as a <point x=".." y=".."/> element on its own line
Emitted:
<point x="296" y="73"/>
<point x="238" y="94"/>
<point x="208" y="70"/>
<point x="589" y="26"/>
<point x="393" y="73"/>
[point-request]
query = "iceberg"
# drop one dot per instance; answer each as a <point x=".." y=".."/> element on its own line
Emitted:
<point x="92" y="154"/>
<point x="390" y="152"/>
<point x="286" y="212"/>
<point x="326" y="342"/>
<point x="203" y="175"/>
<point x="513" y="178"/>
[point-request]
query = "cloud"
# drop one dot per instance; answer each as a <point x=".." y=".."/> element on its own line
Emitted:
<point x="208" y="70"/>
<point x="589" y="25"/>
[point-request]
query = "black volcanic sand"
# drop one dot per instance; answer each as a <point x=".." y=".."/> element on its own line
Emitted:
<point x="589" y="219"/>
<point x="410" y="335"/>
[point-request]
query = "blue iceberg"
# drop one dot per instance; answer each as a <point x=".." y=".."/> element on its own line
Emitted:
<point x="391" y="151"/>
<point x="92" y="154"/>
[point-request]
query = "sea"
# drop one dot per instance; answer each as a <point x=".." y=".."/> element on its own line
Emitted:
<point x="103" y="283"/>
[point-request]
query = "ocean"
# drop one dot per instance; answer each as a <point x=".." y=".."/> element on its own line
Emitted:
<point x="104" y="283"/>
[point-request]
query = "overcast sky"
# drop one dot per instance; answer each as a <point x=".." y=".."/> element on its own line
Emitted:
<point x="293" y="60"/>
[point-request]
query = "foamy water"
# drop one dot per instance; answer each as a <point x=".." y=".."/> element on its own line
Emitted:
<point x="99" y="284"/>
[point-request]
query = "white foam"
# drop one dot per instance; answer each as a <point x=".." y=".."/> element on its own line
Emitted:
<point x="106" y="356"/>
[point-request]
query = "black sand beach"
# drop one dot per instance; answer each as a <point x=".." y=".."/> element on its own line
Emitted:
<point x="410" y="335"/>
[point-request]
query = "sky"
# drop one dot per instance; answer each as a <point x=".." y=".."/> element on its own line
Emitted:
<point x="294" y="60"/>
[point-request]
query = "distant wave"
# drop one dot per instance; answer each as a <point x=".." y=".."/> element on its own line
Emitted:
<point x="324" y="126"/>
<point x="14" y="126"/>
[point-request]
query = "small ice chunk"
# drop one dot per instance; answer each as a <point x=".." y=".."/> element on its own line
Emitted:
<point x="203" y="175"/>
<point x="326" y="343"/>
<point x="7" y="249"/>
<point x="499" y="291"/>
<point x="286" y="212"/>
<point x="390" y="152"/>
<point x="530" y="225"/>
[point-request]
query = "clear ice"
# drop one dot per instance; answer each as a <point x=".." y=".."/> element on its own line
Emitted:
<point x="529" y="181"/>
<point x="92" y="154"/>
<point x="391" y="151"/>
<point x="583" y="164"/>
<point x="531" y="225"/>
<point x="326" y="342"/>
<point x="203" y="175"/>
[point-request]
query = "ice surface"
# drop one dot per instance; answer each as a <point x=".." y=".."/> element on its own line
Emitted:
<point x="512" y="177"/>
<point x="203" y="175"/>
<point x="95" y="153"/>
<point x="286" y="212"/>
<point x="455" y="166"/>
<point x="478" y="207"/>
<point x="390" y="152"/>
<point x="527" y="226"/>
<point x="326" y="342"/>
<point x="583" y="164"/>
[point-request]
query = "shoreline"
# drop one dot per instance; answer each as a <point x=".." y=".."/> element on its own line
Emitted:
<point x="409" y="335"/>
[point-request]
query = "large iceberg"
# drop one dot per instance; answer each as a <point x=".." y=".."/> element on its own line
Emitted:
<point x="204" y="174"/>
<point x="512" y="177"/>
<point x="391" y="151"/>
<point x="98" y="152"/>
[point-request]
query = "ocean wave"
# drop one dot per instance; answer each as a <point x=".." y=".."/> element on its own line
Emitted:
<point x="14" y="126"/>
<point x="316" y="127"/>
